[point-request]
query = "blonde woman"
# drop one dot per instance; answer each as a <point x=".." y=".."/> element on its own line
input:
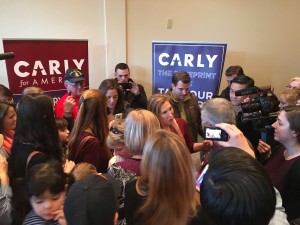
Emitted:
<point x="88" y="137"/>
<point x="165" y="192"/>
<point x="139" y="125"/>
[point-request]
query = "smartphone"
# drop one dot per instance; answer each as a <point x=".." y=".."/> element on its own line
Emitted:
<point x="118" y="116"/>
<point x="126" y="86"/>
<point x="263" y="136"/>
<point x="215" y="134"/>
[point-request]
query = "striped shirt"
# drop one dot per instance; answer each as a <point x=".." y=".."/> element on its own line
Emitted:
<point x="33" y="219"/>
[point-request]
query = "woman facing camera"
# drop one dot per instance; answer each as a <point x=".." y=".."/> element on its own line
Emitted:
<point x="161" y="106"/>
<point x="165" y="192"/>
<point x="115" y="99"/>
<point x="87" y="141"/>
<point x="8" y="119"/>
<point x="284" y="164"/>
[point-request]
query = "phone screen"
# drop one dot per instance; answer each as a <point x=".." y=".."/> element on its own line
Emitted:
<point x="263" y="136"/>
<point x="215" y="133"/>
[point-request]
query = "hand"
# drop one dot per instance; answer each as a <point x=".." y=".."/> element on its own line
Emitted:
<point x="4" y="180"/>
<point x="236" y="138"/>
<point x="60" y="217"/>
<point x="135" y="88"/>
<point x="263" y="147"/>
<point x="68" y="166"/>
<point x="207" y="144"/>
<point x="69" y="104"/>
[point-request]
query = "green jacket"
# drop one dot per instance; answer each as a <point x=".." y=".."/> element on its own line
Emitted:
<point x="192" y="112"/>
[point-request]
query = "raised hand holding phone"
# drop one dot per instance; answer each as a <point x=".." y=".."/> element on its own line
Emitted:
<point x="236" y="138"/>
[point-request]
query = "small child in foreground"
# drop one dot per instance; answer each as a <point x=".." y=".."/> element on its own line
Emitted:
<point x="46" y="187"/>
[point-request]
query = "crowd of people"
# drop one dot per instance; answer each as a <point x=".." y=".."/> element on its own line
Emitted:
<point x="113" y="156"/>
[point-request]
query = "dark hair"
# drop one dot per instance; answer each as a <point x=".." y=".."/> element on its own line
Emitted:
<point x="236" y="190"/>
<point x="121" y="66"/>
<point x="4" y="91"/>
<point x="4" y="106"/>
<point x="238" y="70"/>
<point x="46" y="176"/>
<point x="293" y="117"/>
<point x="36" y="124"/>
<point x="182" y="76"/>
<point x="61" y="123"/>
<point x="243" y="79"/>
<point x="110" y="84"/>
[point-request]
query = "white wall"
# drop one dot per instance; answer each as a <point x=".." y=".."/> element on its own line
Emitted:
<point x="100" y="21"/>
<point x="262" y="36"/>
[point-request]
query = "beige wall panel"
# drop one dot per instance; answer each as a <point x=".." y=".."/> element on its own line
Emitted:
<point x="262" y="36"/>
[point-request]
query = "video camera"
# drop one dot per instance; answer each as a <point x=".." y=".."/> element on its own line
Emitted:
<point x="263" y="103"/>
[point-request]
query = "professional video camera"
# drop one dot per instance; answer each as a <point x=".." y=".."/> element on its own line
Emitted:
<point x="261" y="111"/>
<point x="263" y="103"/>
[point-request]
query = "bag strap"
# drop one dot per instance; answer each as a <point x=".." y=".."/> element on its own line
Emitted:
<point x="29" y="158"/>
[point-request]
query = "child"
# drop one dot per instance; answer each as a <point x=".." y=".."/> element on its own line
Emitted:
<point x="82" y="170"/>
<point x="63" y="133"/>
<point x="46" y="186"/>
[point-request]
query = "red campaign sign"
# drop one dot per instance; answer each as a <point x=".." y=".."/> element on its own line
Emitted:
<point x="43" y="63"/>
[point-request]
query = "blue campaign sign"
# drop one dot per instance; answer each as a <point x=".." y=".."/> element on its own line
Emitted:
<point x="202" y="61"/>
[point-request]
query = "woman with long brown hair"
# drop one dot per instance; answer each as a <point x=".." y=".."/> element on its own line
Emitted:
<point x="88" y="137"/>
<point x="165" y="192"/>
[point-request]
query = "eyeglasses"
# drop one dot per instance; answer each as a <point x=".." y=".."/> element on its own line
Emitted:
<point x="115" y="130"/>
<point x="77" y="84"/>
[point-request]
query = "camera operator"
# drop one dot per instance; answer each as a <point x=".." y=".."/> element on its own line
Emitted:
<point x="247" y="127"/>
<point x="256" y="109"/>
<point x="231" y="73"/>
<point x="134" y="93"/>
